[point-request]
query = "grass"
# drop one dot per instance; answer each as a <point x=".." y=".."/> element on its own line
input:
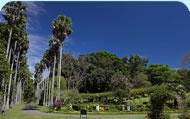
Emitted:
<point x="16" y="113"/>
<point x="139" y="101"/>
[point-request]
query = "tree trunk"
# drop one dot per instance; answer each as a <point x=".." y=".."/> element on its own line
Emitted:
<point x="37" y="93"/>
<point x="9" y="59"/>
<point x="9" y="41"/>
<point x="5" y="97"/>
<point x="52" y="90"/>
<point x="47" y="91"/>
<point x="59" y="71"/>
<point x="13" y="98"/>
<point x="20" y="92"/>
<point x="44" y="92"/>
<point x="10" y="79"/>
<point x="17" y="90"/>
<point x="49" y="94"/>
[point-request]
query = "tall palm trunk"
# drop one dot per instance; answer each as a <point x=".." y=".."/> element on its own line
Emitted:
<point x="49" y="94"/>
<point x="52" y="89"/>
<point x="13" y="98"/>
<point x="44" y="92"/>
<point x="5" y="85"/>
<point x="9" y="59"/>
<point x="9" y="41"/>
<point x="17" y="90"/>
<point x="37" y="93"/>
<point x="47" y="91"/>
<point x="10" y="79"/>
<point x="59" y="71"/>
<point x="4" y="98"/>
<point x="20" y="92"/>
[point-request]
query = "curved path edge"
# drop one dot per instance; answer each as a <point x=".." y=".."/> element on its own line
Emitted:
<point x="37" y="112"/>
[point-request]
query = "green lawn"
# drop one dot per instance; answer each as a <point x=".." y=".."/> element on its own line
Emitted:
<point x="16" y="113"/>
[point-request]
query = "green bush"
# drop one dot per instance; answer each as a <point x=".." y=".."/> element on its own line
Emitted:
<point x="112" y="108"/>
<point x="89" y="107"/>
<point x="158" y="99"/>
<point x="67" y="108"/>
<point x="166" y="116"/>
<point x="78" y="107"/>
<point x="134" y="107"/>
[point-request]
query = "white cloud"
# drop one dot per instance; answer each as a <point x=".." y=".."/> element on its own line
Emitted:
<point x="35" y="8"/>
<point x="34" y="11"/>
<point x="38" y="45"/>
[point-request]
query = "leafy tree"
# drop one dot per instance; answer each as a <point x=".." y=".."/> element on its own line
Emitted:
<point x="69" y="64"/>
<point x="142" y="81"/>
<point x="100" y="67"/>
<point x="186" y="60"/>
<point x="29" y="90"/>
<point x="185" y="76"/>
<point x="70" y="96"/>
<point x="119" y="81"/>
<point x="159" y="73"/>
<point x="63" y="83"/>
<point x="135" y="65"/>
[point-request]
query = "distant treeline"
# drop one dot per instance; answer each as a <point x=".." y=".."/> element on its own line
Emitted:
<point x="103" y="71"/>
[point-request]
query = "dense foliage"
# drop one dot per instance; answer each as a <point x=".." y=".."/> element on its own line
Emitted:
<point x="103" y="71"/>
<point x="14" y="43"/>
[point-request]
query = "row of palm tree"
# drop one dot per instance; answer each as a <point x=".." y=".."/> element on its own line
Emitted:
<point x="61" y="30"/>
<point x="17" y="46"/>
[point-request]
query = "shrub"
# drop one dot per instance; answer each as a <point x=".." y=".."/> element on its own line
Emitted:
<point x="166" y="116"/>
<point x="89" y="107"/>
<point x="58" y="104"/>
<point x="67" y="108"/>
<point x="158" y="99"/>
<point x="112" y="108"/>
<point x="102" y="109"/>
<point x="121" y="94"/>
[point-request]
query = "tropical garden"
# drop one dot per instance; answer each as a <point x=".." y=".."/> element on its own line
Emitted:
<point x="99" y="82"/>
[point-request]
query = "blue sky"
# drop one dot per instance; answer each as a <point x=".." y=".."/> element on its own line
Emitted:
<point x="159" y="31"/>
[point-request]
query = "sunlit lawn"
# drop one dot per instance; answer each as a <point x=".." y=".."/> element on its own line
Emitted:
<point x="16" y="113"/>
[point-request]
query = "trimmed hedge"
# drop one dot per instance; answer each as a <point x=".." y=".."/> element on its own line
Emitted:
<point x="102" y="108"/>
<point x="107" y="97"/>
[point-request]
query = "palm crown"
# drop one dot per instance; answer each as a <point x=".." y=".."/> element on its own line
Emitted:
<point x="61" y="27"/>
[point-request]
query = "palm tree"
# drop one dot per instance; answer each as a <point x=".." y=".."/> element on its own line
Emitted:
<point x="10" y="80"/>
<point x="54" y="46"/>
<point x="16" y="19"/>
<point x="37" y="81"/>
<point x="14" y="12"/>
<point x="23" y="45"/>
<point x="61" y="30"/>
